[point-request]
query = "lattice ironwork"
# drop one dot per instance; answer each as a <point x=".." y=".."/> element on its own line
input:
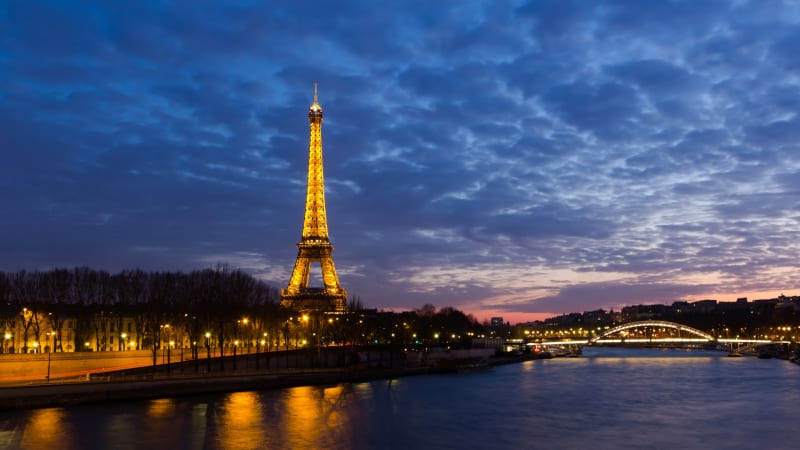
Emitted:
<point x="314" y="245"/>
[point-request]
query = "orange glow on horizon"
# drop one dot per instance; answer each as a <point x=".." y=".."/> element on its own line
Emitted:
<point x="515" y="317"/>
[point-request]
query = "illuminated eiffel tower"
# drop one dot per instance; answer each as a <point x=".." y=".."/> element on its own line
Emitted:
<point x="314" y="246"/>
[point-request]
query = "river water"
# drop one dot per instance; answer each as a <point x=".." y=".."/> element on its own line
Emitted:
<point x="607" y="398"/>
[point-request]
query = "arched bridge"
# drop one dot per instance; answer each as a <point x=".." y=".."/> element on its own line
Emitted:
<point x="658" y="332"/>
<point x="685" y="333"/>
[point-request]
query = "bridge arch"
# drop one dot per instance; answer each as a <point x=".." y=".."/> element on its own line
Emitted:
<point x="653" y="323"/>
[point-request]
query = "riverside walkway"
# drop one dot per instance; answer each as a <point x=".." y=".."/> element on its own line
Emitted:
<point x="134" y="377"/>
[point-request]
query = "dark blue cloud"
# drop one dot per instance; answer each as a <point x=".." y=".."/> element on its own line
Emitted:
<point x="609" y="110"/>
<point x="502" y="157"/>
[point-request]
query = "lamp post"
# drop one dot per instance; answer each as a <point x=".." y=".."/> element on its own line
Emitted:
<point x="49" y="351"/>
<point x="52" y="335"/>
<point x="5" y="342"/>
<point x="245" y="335"/>
<point x="286" y="333"/>
<point x="305" y="328"/>
<point x="208" y="349"/>
<point x="124" y="337"/>
<point x="235" y="346"/>
<point x="263" y="345"/>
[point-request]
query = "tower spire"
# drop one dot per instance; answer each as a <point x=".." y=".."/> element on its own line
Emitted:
<point x="314" y="245"/>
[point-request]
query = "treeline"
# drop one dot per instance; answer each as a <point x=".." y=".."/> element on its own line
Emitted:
<point x="189" y="304"/>
<point x="421" y="329"/>
<point x="214" y="306"/>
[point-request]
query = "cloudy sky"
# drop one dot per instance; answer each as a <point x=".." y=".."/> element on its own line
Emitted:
<point x="509" y="158"/>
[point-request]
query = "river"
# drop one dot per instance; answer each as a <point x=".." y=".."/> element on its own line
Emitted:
<point x="607" y="398"/>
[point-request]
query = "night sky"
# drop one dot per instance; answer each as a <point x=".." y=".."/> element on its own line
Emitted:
<point x="511" y="158"/>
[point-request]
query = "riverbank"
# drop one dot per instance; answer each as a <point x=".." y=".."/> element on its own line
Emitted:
<point x="615" y="398"/>
<point x="103" y="389"/>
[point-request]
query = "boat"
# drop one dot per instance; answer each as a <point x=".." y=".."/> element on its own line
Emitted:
<point x="735" y="354"/>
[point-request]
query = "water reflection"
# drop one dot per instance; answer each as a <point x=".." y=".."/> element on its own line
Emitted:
<point x="240" y="422"/>
<point x="198" y="435"/>
<point x="160" y="421"/>
<point x="122" y="430"/>
<point x="319" y="414"/>
<point x="608" y="398"/>
<point x="161" y="408"/>
<point x="44" y="428"/>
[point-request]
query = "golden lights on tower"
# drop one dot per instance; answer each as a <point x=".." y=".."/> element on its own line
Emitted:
<point x="314" y="245"/>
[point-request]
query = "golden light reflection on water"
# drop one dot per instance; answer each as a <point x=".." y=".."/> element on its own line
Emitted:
<point x="44" y="429"/>
<point x="240" y="421"/>
<point x="161" y="419"/>
<point x="527" y="366"/>
<point x="302" y="412"/>
<point x="313" y="410"/>
<point x="333" y="398"/>
<point x="161" y="408"/>
<point x="652" y="360"/>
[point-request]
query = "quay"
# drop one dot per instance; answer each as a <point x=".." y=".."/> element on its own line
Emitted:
<point x="185" y="378"/>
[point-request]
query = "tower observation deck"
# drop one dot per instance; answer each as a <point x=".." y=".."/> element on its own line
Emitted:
<point x="314" y="245"/>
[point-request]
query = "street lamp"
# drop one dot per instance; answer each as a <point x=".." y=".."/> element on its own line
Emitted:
<point x="50" y="341"/>
<point x="5" y="342"/>
<point x="49" y="351"/>
<point x="170" y="344"/>
<point x="124" y="337"/>
<point x="235" y="346"/>
<point x="208" y="350"/>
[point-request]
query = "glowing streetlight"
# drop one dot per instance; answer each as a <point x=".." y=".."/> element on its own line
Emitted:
<point x="208" y="348"/>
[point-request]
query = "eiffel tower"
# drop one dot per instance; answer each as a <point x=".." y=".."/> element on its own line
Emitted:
<point x="314" y="246"/>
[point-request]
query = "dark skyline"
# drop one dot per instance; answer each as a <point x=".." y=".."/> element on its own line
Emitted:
<point x="509" y="158"/>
